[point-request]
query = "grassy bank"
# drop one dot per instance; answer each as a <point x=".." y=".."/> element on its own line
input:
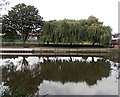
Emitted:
<point x="47" y="43"/>
<point x="60" y="45"/>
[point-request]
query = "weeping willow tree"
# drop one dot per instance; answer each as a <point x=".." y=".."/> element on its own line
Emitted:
<point x="76" y="31"/>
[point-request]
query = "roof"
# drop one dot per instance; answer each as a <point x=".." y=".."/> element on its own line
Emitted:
<point x="116" y="34"/>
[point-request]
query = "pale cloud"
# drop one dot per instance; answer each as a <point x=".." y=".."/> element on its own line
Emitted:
<point x="81" y="88"/>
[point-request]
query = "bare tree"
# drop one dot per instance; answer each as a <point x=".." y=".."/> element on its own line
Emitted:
<point x="3" y="4"/>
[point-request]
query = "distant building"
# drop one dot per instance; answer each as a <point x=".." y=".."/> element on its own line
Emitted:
<point x="33" y="37"/>
<point x="116" y="40"/>
<point x="116" y="36"/>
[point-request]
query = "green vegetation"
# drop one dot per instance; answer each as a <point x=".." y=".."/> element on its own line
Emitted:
<point x="20" y="42"/>
<point x="21" y="20"/>
<point x="76" y="31"/>
<point x="46" y="43"/>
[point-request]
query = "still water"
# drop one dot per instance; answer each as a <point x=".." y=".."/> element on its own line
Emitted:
<point x="36" y="75"/>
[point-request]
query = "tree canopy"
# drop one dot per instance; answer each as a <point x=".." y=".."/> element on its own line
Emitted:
<point x="76" y="31"/>
<point x="22" y="19"/>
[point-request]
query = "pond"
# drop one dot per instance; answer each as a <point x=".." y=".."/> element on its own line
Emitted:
<point x="58" y="75"/>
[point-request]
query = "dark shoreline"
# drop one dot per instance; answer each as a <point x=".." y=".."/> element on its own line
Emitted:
<point x="50" y="45"/>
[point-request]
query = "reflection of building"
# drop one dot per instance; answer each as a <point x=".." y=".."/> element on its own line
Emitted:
<point x="116" y="40"/>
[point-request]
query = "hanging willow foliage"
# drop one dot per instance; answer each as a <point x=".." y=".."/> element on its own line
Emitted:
<point x="76" y="31"/>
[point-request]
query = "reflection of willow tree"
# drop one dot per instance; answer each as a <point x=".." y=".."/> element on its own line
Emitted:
<point x="75" y="71"/>
<point x="85" y="57"/>
<point x="26" y="81"/>
<point x="24" y="63"/>
<point x="21" y="82"/>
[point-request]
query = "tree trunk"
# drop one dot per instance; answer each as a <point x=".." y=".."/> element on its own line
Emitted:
<point x="70" y="59"/>
<point x="25" y="45"/>
<point x="93" y="59"/>
<point x="71" y="43"/>
<point x="47" y="42"/>
<point x="93" y="43"/>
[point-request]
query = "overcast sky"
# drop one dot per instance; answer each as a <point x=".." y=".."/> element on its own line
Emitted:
<point x="105" y="10"/>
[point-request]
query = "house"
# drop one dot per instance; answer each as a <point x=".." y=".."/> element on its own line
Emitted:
<point x="116" y="40"/>
<point x="33" y="37"/>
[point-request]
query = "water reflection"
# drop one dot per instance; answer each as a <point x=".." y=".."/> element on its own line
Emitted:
<point x="75" y="71"/>
<point x="24" y="79"/>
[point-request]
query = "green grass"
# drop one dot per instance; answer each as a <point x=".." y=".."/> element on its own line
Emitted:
<point x="46" y="43"/>
<point x="19" y="43"/>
